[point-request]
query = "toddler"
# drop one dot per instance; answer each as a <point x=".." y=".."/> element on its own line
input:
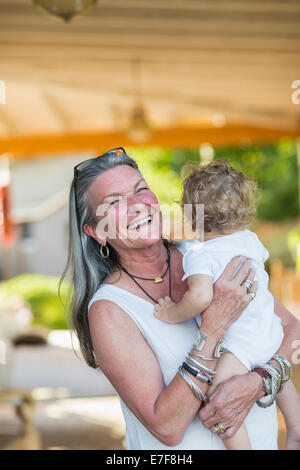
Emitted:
<point x="229" y="199"/>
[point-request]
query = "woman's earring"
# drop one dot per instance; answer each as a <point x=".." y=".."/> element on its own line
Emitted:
<point x="106" y="255"/>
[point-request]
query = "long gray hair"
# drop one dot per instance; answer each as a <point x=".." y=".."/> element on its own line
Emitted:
<point x="86" y="268"/>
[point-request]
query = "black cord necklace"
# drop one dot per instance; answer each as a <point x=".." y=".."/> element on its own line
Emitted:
<point x="155" y="280"/>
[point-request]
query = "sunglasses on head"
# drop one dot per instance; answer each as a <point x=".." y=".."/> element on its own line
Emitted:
<point x="79" y="166"/>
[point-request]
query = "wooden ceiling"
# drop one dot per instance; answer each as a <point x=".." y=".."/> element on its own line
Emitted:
<point x="195" y="65"/>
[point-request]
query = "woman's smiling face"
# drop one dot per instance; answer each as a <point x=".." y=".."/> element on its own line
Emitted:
<point x="127" y="210"/>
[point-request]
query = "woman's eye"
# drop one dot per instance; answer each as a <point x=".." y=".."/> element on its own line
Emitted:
<point x="141" y="189"/>
<point x="114" y="202"/>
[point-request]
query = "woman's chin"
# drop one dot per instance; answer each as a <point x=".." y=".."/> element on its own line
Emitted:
<point x="145" y="238"/>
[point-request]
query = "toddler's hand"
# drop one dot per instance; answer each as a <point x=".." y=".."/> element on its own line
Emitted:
<point x="163" y="310"/>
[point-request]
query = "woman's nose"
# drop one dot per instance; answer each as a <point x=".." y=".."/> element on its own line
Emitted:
<point x="135" y="208"/>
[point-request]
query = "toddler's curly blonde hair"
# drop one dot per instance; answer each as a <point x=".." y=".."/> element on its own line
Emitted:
<point x="230" y="198"/>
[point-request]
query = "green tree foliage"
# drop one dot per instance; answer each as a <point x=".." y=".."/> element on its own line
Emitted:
<point x="274" y="167"/>
<point x="41" y="294"/>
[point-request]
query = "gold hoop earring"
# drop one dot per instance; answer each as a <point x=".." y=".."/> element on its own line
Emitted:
<point x="106" y="255"/>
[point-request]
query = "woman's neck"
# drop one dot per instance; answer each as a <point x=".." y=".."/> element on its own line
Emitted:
<point x="150" y="260"/>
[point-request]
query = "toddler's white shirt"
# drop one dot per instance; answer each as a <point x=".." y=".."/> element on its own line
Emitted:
<point x="257" y="334"/>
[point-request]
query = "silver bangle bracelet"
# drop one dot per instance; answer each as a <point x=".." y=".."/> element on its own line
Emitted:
<point x="276" y="380"/>
<point x="202" y="367"/>
<point x="195" y="389"/>
<point x="199" y="343"/>
<point x="204" y="357"/>
<point x="203" y="378"/>
<point x="282" y="373"/>
<point x="285" y="366"/>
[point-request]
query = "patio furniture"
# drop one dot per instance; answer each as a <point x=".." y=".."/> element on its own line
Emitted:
<point x="53" y="366"/>
<point x="42" y="372"/>
<point x="24" y="404"/>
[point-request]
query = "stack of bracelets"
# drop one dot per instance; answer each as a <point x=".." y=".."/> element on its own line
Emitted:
<point x="273" y="378"/>
<point x="198" y="370"/>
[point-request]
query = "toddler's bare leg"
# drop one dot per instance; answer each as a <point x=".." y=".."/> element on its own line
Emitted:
<point x="289" y="405"/>
<point x="228" y="366"/>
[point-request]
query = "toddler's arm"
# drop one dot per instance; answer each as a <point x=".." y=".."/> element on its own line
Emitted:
<point x="195" y="300"/>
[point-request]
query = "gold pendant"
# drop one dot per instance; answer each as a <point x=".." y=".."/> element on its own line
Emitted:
<point x="157" y="280"/>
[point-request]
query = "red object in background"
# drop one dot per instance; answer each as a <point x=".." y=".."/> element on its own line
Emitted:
<point x="7" y="226"/>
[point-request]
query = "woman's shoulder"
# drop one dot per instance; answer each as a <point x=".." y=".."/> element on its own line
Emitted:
<point x="98" y="300"/>
<point x="101" y="297"/>
<point x="105" y="310"/>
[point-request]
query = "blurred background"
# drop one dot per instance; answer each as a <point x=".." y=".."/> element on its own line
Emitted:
<point x="173" y="81"/>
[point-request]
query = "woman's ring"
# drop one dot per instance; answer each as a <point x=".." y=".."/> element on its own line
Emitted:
<point x="219" y="428"/>
<point x="248" y="285"/>
<point x="253" y="294"/>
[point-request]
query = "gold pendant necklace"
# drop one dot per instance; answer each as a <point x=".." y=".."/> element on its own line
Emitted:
<point x="156" y="280"/>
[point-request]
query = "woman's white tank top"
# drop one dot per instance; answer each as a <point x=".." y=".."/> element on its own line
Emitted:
<point x="170" y="344"/>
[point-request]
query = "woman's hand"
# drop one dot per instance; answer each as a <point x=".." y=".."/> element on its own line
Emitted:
<point x="231" y="402"/>
<point x="230" y="298"/>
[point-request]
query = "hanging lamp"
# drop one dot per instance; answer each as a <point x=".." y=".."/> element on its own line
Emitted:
<point x="65" y="9"/>
<point x="139" y="129"/>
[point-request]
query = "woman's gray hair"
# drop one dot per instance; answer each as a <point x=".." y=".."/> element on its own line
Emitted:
<point x="86" y="268"/>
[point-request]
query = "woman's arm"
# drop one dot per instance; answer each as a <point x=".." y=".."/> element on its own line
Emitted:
<point x="131" y="366"/>
<point x="232" y="400"/>
<point x="133" y="369"/>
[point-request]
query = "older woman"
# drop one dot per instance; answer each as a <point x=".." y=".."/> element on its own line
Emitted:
<point x="120" y="267"/>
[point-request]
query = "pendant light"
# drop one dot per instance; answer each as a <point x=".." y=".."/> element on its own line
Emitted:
<point x="138" y="129"/>
<point x="65" y="9"/>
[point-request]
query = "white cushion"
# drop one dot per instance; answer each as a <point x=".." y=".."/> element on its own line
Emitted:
<point x="56" y="367"/>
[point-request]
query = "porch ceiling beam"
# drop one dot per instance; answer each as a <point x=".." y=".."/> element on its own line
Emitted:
<point x="234" y="134"/>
